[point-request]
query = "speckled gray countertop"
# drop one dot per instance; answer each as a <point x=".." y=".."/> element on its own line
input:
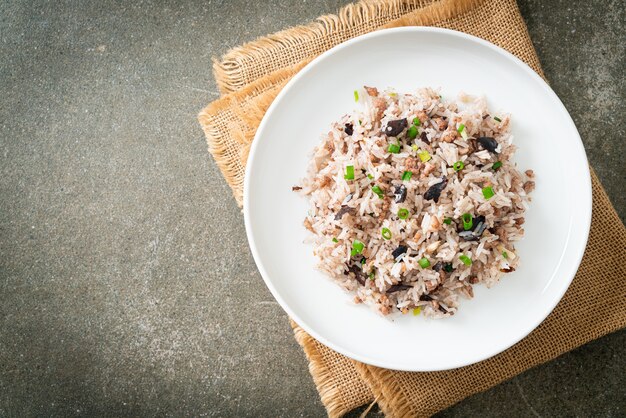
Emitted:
<point x="126" y="283"/>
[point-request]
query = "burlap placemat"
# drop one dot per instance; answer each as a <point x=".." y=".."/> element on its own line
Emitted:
<point x="595" y="304"/>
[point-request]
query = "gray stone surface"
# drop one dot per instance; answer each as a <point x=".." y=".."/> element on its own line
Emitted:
<point x="126" y="284"/>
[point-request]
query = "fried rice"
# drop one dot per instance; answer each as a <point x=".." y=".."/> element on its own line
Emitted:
<point x="414" y="199"/>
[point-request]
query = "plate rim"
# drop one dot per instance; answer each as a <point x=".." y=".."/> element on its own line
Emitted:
<point x="586" y="204"/>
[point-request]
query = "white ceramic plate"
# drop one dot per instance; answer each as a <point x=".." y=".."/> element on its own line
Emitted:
<point x="557" y="223"/>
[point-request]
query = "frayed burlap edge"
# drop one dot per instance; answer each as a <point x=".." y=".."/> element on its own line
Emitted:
<point x="260" y="95"/>
<point x="232" y="71"/>
<point x="435" y="12"/>
<point x="322" y="377"/>
<point x="228" y="70"/>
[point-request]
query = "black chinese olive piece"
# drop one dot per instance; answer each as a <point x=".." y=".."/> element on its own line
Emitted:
<point x="435" y="190"/>
<point x="395" y="127"/>
<point x="398" y="287"/>
<point x="359" y="275"/>
<point x="488" y="143"/>
<point x="400" y="193"/>
<point x="344" y="209"/>
<point x="349" y="129"/>
<point x="479" y="226"/>
<point x="399" y="251"/>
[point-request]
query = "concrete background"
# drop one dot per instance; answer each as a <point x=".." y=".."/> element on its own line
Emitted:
<point x="126" y="284"/>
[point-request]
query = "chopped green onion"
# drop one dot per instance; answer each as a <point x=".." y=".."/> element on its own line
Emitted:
<point x="504" y="254"/>
<point x="376" y="189"/>
<point x="424" y="263"/>
<point x="465" y="259"/>
<point x="360" y="123"/>
<point x="386" y="233"/>
<point x="369" y="176"/>
<point x="488" y="192"/>
<point x="394" y="148"/>
<point x="406" y="176"/>
<point x="356" y="96"/>
<point x="424" y="156"/>
<point x="357" y="247"/>
<point x="392" y="94"/>
<point x="416" y="311"/>
<point x="448" y="267"/>
<point x="417" y="122"/>
<point x="349" y="173"/>
<point x="403" y="213"/>
<point x="335" y="239"/>
<point x="412" y="132"/>
<point x="496" y="165"/>
<point x="447" y="221"/>
<point x="372" y="273"/>
<point x="463" y="131"/>
<point x="467" y="221"/>
<point x="414" y="147"/>
<point x="497" y="119"/>
<point x="458" y="166"/>
<point x="363" y="261"/>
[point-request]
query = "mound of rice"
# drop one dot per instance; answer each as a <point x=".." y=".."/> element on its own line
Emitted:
<point x="415" y="199"/>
